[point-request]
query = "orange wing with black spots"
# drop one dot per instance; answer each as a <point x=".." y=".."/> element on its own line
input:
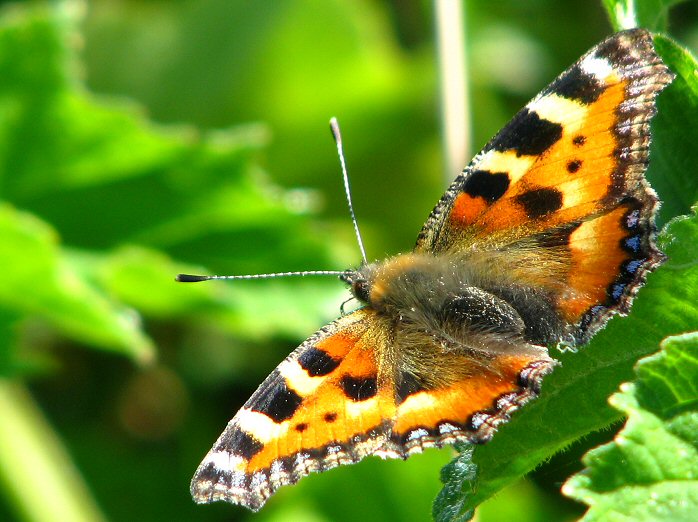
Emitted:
<point x="332" y="402"/>
<point x="570" y="165"/>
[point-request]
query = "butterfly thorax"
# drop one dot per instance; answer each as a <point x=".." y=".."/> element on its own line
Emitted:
<point x="456" y="300"/>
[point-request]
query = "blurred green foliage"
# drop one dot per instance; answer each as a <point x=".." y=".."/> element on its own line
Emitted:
<point x="139" y="139"/>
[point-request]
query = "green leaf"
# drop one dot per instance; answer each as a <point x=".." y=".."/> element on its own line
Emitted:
<point x="459" y="478"/>
<point x="9" y="363"/>
<point x="674" y="133"/>
<point x="40" y="280"/>
<point x="126" y="198"/>
<point x="650" y="14"/>
<point x="650" y="471"/>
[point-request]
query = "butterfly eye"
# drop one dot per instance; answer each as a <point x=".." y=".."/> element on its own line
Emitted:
<point x="360" y="286"/>
<point x="361" y="289"/>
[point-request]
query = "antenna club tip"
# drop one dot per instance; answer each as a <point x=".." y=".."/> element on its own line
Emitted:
<point x="334" y="128"/>
<point x="188" y="278"/>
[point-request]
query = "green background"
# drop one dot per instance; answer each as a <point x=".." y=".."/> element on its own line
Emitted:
<point x="139" y="139"/>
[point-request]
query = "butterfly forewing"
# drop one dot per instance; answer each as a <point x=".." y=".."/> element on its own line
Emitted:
<point x="569" y="165"/>
<point x="321" y="407"/>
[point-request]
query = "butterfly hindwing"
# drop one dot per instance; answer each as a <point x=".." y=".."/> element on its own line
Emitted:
<point x="471" y="408"/>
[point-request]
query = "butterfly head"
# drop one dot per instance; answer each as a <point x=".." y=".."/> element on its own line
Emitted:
<point x="392" y="282"/>
<point x="359" y="281"/>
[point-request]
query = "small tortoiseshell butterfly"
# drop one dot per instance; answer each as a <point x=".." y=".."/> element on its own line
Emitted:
<point x="542" y="238"/>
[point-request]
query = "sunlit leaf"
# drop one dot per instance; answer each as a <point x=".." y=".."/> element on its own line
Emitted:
<point x="650" y="14"/>
<point x="649" y="471"/>
<point x="39" y="280"/>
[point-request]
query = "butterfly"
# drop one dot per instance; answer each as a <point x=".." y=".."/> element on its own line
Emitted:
<point x="545" y="235"/>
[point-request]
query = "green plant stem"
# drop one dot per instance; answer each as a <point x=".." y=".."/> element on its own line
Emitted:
<point x="455" y="113"/>
<point x="41" y="482"/>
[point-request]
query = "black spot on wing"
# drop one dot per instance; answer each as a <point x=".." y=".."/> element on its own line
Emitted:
<point x="317" y="362"/>
<point x="630" y="267"/>
<point x="237" y="441"/>
<point x="301" y="427"/>
<point x="626" y="278"/>
<point x="616" y="290"/>
<point x="632" y="218"/>
<point x="575" y="84"/>
<point x="540" y="202"/>
<point x="528" y="134"/>
<point x="632" y="244"/>
<point x="573" y="166"/>
<point x="579" y="140"/>
<point x="587" y="320"/>
<point x="488" y="185"/>
<point x="637" y="240"/>
<point x="359" y="388"/>
<point x="409" y="385"/>
<point x="330" y="416"/>
<point x="277" y="402"/>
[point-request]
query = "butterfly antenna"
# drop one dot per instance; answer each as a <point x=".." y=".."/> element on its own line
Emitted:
<point x="334" y="126"/>
<point x="189" y="278"/>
